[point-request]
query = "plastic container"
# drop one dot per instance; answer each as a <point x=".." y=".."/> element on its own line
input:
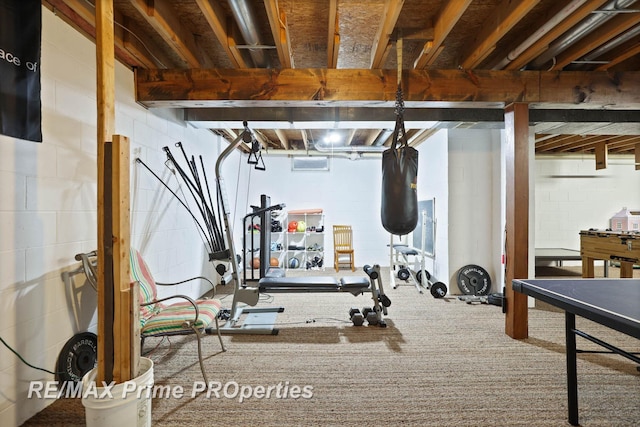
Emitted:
<point x="124" y="404"/>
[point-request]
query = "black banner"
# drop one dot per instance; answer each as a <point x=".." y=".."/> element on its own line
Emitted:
<point x="20" y="33"/>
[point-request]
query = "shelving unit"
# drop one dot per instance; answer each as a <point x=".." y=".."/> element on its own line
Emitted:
<point x="302" y="248"/>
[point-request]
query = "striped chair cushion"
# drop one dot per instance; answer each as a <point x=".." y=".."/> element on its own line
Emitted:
<point x="148" y="289"/>
<point x="162" y="318"/>
<point x="172" y="317"/>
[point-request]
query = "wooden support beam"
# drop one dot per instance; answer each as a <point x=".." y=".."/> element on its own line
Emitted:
<point x="629" y="53"/>
<point x="606" y="32"/>
<point x="390" y="15"/>
<point x="81" y="16"/>
<point x="280" y="30"/>
<point x="516" y="120"/>
<point x="126" y="305"/>
<point x="349" y="139"/>
<point x="372" y="136"/>
<point x="106" y="124"/>
<point x="147" y="52"/>
<point x="503" y="18"/>
<point x="164" y="20"/>
<point x="117" y="346"/>
<point x="447" y="19"/>
<point x="284" y="141"/>
<point x="636" y="151"/>
<point x="333" y="35"/>
<point x="601" y="152"/>
<point x="364" y="87"/>
<point x="223" y="29"/>
<point x="542" y="43"/>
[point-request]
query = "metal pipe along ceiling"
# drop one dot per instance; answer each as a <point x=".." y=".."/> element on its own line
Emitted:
<point x="540" y="32"/>
<point x="613" y="43"/>
<point x="246" y="18"/>
<point x="585" y="27"/>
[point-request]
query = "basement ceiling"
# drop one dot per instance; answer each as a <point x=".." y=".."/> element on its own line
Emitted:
<point x="221" y="62"/>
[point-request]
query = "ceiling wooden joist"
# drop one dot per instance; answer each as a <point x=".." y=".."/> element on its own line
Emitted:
<point x="197" y="88"/>
<point x="475" y="54"/>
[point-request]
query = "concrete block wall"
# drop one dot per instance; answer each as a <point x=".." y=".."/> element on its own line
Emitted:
<point x="48" y="212"/>
<point x="475" y="203"/>
<point x="571" y="195"/>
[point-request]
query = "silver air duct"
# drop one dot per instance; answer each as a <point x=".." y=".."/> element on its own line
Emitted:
<point x="246" y="18"/>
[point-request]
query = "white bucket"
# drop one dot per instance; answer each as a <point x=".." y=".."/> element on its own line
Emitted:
<point x="124" y="404"/>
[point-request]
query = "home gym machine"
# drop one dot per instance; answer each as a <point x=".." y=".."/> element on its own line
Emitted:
<point x="261" y="320"/>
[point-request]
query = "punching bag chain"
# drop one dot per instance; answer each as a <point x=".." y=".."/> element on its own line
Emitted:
<point x="399" y="133"/>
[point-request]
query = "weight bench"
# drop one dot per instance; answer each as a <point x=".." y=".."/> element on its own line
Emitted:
<point x="354" y="285"/>
<point x="261" y="320"/>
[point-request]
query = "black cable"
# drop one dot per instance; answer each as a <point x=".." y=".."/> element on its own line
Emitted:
<point x="138" y="160"/>
<point x="217" y="224"/>
<point x="27" y="363"/>
<point x="190" y="185"/>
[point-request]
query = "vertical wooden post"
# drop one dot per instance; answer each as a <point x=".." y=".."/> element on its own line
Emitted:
<point x="125" y="300"/>
<point x="516" y="120"/>
<point x="117" y="303"/>
<point x="106" y="118"/>
<point x="636" y="151"/>
<point x="601" y="151"/>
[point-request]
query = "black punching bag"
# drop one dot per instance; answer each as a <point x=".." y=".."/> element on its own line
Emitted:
<point x="399" y="211"/>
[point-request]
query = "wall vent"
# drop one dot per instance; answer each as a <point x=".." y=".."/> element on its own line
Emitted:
<point x="310" y="163"/>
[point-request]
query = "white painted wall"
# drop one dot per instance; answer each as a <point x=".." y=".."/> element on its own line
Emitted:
<point x="571" y="195"/>
<point x="48" y="212"/>
<point x="475" y="202"/>
<point x="433" y="182"/>
<point x="349" y="193"/>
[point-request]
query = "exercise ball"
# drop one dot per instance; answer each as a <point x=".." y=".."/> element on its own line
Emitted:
<point x="273" y="262"/>
<point x="255" y="263"/>
<point x="294" y="262"/>
<point x="302" y="226"/>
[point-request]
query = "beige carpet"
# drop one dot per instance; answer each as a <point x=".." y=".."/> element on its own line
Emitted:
<point x="438" y="363"/>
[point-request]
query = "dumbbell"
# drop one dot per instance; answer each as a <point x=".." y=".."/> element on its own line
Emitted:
<point x="384" y="300"/>
<point x="356" y="317"/>
<point x="371" y="315"/>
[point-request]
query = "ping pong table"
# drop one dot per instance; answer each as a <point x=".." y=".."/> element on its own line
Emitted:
<point x="614" y="303"/>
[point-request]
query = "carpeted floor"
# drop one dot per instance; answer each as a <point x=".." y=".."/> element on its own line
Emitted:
<point x="438" y="363"/>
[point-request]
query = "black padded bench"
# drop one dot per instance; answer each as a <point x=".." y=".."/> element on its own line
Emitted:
<point x="353" y="284"/>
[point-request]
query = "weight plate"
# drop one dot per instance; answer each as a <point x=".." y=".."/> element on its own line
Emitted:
<point x="438" y="290"/>
<point x="426" y="274"/>
<point x="77" y="357"/>
<point x="474" y="280"/>
<point x="403" y="274"/>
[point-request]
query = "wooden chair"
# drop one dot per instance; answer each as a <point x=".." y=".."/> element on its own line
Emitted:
<point x="187" y="316"/>
<point x="343" y="247"/>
